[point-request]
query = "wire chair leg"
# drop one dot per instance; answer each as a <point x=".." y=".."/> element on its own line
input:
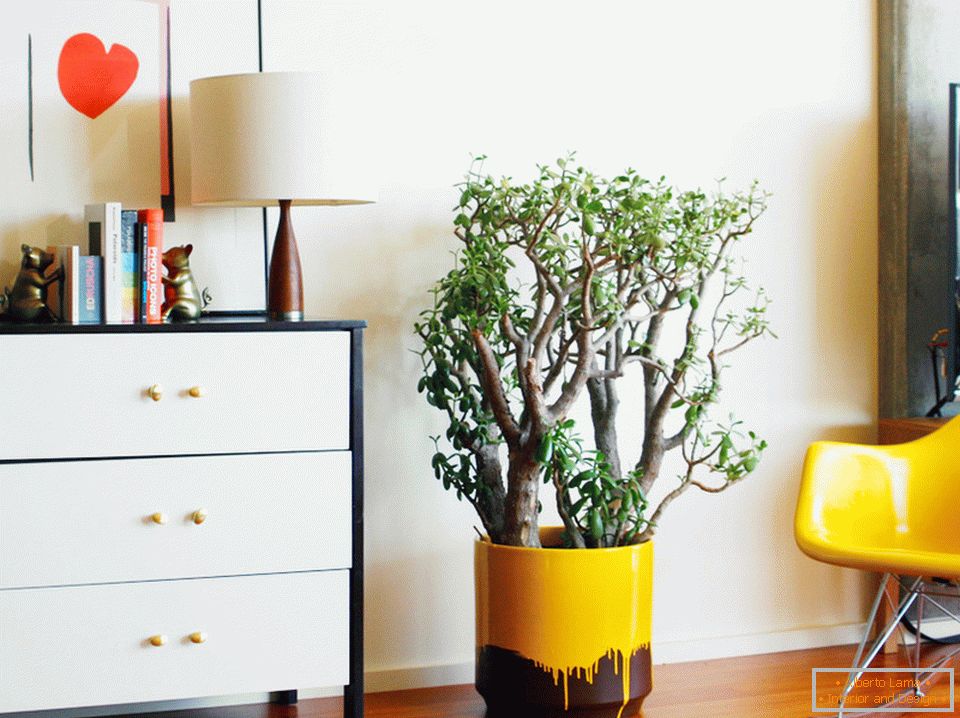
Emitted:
<point x="871" y="619"/>
<point x="859" y="662"/>
<point x="916" y="648"/>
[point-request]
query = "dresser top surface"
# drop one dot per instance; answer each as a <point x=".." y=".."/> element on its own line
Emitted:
<point x="220" y="323"/>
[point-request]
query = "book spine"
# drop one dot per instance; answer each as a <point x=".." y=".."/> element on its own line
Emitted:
<point x="153" y="262"/>
<point x="113" y="283"/>
<point x="128" y="266"/>
<point x="142" y="274"/>
<point x="91" y="287"/>
<point x="137" y="274"/>
<point x="103" y="226"/>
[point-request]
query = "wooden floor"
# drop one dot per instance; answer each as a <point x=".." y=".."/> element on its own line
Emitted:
<point x="768" y="686"/>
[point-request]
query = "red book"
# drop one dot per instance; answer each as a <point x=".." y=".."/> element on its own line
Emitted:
<point x="152" y="220"/>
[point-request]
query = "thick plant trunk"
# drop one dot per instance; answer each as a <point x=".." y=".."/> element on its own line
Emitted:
<point x="650" y="461"/>
<point x="520" y="527"/>
<point x="492" y="498"/>
<point x="603" y="411"/>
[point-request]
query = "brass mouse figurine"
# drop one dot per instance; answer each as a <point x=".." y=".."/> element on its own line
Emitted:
<point x="27" y="301"/>
<point x="182" y="299"/>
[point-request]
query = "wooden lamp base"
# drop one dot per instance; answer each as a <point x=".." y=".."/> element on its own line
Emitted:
<point x="285" y="284"/>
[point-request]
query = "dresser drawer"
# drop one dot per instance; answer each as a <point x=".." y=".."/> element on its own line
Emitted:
<point x="91" y="645"/>
<point x="82" y="395"/>
<point x="77" y="522"/>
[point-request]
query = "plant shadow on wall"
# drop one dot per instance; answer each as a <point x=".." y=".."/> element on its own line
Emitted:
<point x="563" y="286"/>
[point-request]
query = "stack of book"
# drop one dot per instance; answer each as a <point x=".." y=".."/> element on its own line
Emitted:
<point x="117" y="277"/>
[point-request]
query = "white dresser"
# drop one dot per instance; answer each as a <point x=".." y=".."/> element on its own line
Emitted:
<point x="180" y="512"/>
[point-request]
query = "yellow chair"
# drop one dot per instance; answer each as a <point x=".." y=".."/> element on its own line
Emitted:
<point x="891" y="509"/>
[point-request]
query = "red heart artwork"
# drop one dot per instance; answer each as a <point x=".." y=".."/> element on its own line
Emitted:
<point x="92" y="79"/>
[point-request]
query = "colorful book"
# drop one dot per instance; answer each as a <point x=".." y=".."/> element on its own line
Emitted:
<point x="141" y="272"/>
<point x="63" y="297"/>
<point x="103" y="232"/>
<point x="91" y="289"/>
<point x="129" y="287"/>
<point x="151" y="240"/>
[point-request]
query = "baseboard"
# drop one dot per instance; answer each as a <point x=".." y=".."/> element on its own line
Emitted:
<point x="703" y="649"/>
<point x="699" y="649"/>
<point x="398" y="679"/>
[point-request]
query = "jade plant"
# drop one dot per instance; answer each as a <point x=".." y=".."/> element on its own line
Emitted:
<point x="564" y="287"/>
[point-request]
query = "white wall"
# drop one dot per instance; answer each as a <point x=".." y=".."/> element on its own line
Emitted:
<point x="784" y="92"/>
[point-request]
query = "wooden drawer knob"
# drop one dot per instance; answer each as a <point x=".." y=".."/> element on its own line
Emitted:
<point x="196" y="391"/>
<point x="198" y="637"/>
<point x="155" y="392"/>
<point x="199" y="516"/>
<point x="158" y="640"/>
<point x="159" y="518"/>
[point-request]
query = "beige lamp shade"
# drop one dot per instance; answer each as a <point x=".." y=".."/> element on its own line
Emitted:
<point x="262" y="137"/>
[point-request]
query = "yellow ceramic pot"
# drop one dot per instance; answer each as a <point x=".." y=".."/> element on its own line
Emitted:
<point x="563" y="633"/>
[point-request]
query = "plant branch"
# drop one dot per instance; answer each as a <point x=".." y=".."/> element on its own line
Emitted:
<point x="711" y="489"/>
<point x="569" y="523"/>
<point x="585" y="351"/>
<point x="559" y="362"/>
<point x="733" y="348"/>
<point x="672" y="442"/>
<point x="506" y="324"/>
<point x="651" y="528"/>
<point x="533" y="393"/>
<point x="493" y="389"/>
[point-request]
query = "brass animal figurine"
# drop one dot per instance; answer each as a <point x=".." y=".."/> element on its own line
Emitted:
<point x="182" y="299"/>
<point x="27" y="301"/>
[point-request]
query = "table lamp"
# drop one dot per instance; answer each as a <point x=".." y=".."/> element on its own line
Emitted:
<point x="263" y="139"/>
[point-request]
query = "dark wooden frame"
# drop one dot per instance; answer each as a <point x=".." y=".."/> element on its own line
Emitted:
<point x="353" y="691"/>
<point x="918" y="55"/>
<point x="892" y="214"/>
<point x="953" y="165"/>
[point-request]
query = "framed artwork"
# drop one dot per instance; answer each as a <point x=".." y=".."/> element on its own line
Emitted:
<point x="94" y="96"/>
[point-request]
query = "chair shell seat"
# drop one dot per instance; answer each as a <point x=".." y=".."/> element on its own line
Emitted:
<point x="891" y="509"/>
